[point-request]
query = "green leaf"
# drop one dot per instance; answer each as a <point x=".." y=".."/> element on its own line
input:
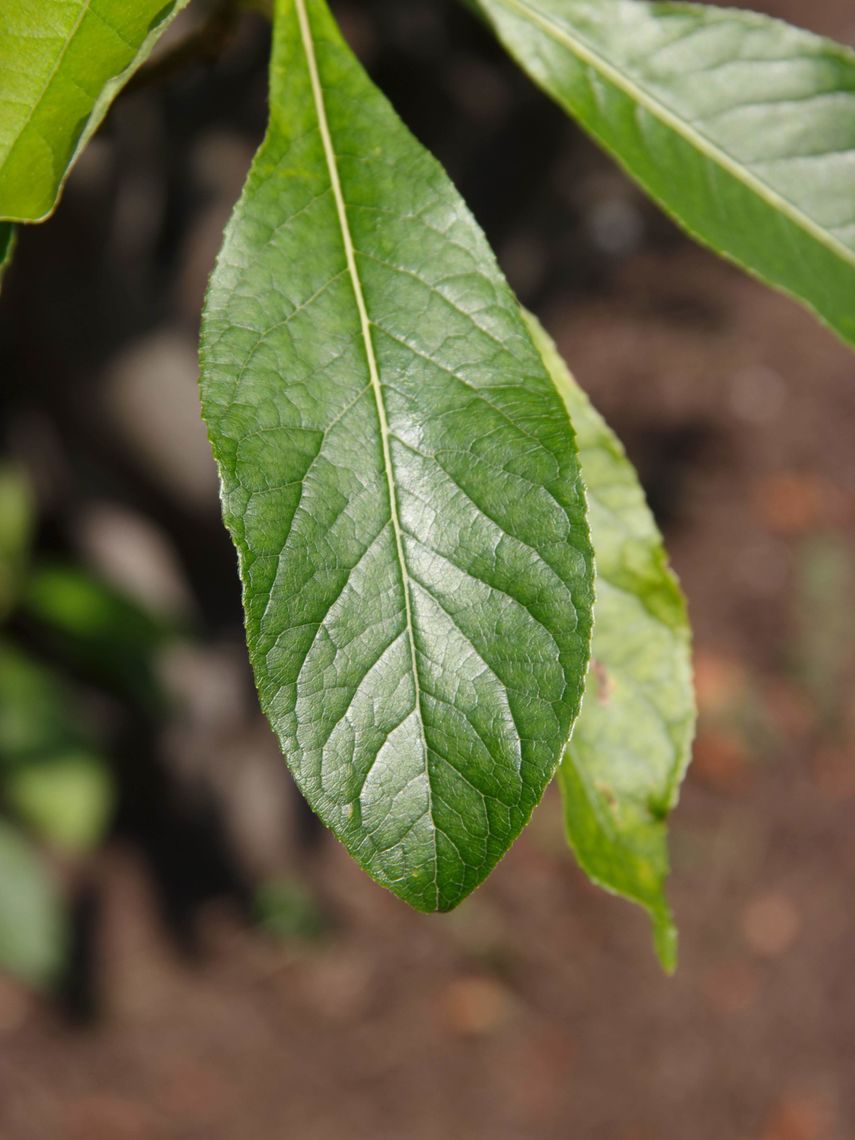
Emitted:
<point x="96" y="628"/>
<point x="36" y="715"/>
<point x="52" y="776"/>
<point x="65" y="797"/>
<point x="741" y="127"/>
<point x="16" y="527"/>
<point x="400" y="479"/>
<point x="63" y="62"/>
<point x="632" y="742"/>
<point x="32" y="918"/>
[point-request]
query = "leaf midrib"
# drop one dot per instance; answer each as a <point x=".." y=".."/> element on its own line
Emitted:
<point x="585" y="51"/>
<point x="374" y="373"/>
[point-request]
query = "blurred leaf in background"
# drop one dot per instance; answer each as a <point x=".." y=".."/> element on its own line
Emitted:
<point x="96" y="629"/>
<point x="56" y="782"/>
<point x="825" y="591"/>
<point x="52" y="776"/>
<point x="16" y="529"/>
<point x="286" y="909"/>
<point x="32" y="917"/>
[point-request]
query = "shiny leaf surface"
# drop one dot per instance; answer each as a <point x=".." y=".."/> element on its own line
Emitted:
<point x="740" y="126"/>
<point x="400" y="479"/>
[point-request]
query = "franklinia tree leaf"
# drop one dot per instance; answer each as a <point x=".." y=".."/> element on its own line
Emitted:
<point x="401" y="481"/>
<point x="740" y="126"/>
<point x="631" y="746"/>
<point x="62" y="64"/>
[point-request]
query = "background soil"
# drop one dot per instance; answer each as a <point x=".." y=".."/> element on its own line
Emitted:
<point x="537" y="1010"/>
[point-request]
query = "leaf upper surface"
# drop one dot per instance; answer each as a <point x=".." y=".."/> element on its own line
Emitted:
<point x="400" y="479"/>
<point x="62" y="62"/>
<point x="740" y="126"/>
<point x="631" y="745"/>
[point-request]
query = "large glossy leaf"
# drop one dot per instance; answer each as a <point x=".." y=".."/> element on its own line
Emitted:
<point x="742" y="127"/>
<point x="401" y="481"/>
<point x="62" y="63"/>
<point x="632" y="742"/>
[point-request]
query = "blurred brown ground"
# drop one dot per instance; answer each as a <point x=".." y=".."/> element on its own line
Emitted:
<point x="536" y="1010"/>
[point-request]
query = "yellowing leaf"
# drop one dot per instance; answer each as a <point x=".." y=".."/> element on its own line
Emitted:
<point x="631" y="746"/>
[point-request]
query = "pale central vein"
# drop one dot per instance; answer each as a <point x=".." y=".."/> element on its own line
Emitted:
<point x="365" y="325"/>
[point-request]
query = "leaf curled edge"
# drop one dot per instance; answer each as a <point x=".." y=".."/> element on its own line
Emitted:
<point x="631" y="744"/>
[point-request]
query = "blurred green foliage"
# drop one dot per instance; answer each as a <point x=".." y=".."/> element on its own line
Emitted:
<point x="16" y="525"/>
<point x="56" y="784"/>
<point x="52" y="775"/>
<point x="286" y="910"/>
<point x="824" y="606"/>
<point x="33" y="932"/>
<point x="96" y="629"/>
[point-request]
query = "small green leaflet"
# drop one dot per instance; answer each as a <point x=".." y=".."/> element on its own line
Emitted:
<point x="401" y="481"/>
<point x="740" y="126"/>
<point x="632" y="742"/>
<point x="62" y="63"/>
